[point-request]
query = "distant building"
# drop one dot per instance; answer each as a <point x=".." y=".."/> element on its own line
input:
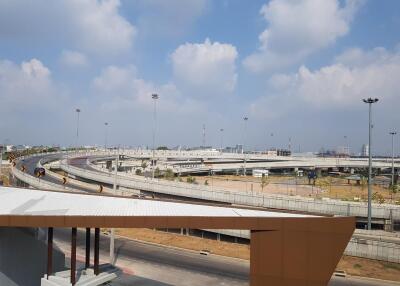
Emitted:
<point x="237" y="149"/>
<point x="283" y="152"/>
<point x="272" y="152"/>
<point x="365" y="150"/>
<point x="343" y="151"/>
<point x="258" y="173"/>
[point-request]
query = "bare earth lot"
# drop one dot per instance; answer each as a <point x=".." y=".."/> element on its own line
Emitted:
<point x="328" y="187"/>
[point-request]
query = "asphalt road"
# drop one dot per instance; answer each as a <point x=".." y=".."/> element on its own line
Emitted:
<point x="155" y="265"/>
<point x="30" y="164"/>
<point x="165" y="265"/>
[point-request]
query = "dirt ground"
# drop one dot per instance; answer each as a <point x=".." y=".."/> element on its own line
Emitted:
<point x="328" y="187"/>
<point x="351" y="265"/>
<point x="5" y="172"/>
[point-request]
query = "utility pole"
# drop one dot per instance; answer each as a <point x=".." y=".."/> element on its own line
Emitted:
<point x="222" y="133"/>
<point x="112" y="236"/>
<point x="78" y="111"/>
<point x="370" y="101"/>
<point x="393" y="133"/>
<point x="105" y="135"/>
<point x="204" y="136"/>
<point x="154" y="97"/>
<point x="244" y="143"/>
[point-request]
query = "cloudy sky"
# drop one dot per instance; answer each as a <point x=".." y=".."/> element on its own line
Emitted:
<point x="295" y="68"/>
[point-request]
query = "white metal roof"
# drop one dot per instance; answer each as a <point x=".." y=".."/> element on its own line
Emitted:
<point x="14" y="201"/>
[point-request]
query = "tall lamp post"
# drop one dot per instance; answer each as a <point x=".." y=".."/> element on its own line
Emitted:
<point x="105" y="135"/>
<point x="393" y="133"/>
<point x="222" y="134"/>
<point x="154" y="96"/>
<point x="346" y="145"/>
<point x="78" y="111"/>
<point x="112" y="236"/>
<point x="370" y="101"/>
<point x="244" y="143"/>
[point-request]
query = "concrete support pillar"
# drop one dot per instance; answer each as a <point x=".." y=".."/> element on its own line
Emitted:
<point x="87" y="256"/>
<point x="73" y="256"/>
<point x="96" y="250"/>
<point x="181" y="231"/>
<point x="49" y="251"/>
<point x="218" y="236"/>
<point x="187" y="231"/>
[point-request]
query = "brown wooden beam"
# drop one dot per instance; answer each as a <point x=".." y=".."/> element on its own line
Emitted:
<point x="73" y="256"/>
<point x="299" y="252"/>
<point x="87" y="261"/>
<point x="96" y="250"/>
<point x="49" y="251"/>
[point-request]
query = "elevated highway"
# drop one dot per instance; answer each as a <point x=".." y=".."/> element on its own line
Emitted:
<point x="82" y="168"/>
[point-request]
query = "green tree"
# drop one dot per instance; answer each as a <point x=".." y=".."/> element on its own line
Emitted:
<point x="393" y="189"/>
<point x="162" y="148"/>
<point x="157" y="173"/>
<point x="138" y="172"/>
<point x="144" y="165"/>
<point x="378" y="198"/>
<point x="264" y="182"/>
<point x="169" y="175"/>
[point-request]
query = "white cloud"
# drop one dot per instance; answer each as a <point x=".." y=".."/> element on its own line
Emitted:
<point x="121" y="88"/>
<point x="297" y="29"/>
<point x="25" y="85"/>
<point x="73" y="59"/>
<point x="206" y="68"/>
<point x="356" y="74"/>
<point x="91" y="25"/>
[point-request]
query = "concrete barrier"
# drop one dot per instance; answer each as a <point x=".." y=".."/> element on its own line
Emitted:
<point x="330" y="207"/>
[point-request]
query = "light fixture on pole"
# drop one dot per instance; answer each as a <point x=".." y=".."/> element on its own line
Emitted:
<point x="244" y="144"/>
<point x="370" y="101"/>
<point x="346" y="146"/>
<point x="393" y="133"/>
<point x="78" y="111"/>
<point x="105" y="135"/>
<point x="222" y="131"/>
<point x="154" y="96"/>
<point x="112" y="232"/>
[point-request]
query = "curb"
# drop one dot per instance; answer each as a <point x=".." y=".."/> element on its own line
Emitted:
<point x="374" y="280"/>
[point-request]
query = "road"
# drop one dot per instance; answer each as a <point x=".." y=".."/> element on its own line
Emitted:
<point x="155" y="265"/>
<point x="30" y="164"/>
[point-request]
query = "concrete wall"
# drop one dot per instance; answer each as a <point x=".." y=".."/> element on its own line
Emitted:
<point x="373" y="249"/>
<point x="23" y="257"/>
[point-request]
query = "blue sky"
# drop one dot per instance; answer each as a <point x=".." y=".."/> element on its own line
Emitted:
<point x="295" y="68"/>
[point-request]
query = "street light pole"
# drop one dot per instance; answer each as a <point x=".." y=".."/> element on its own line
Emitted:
<point x="244" y="143"/>
<point x="393" y="133"/>
<point x="78" y="111"/>
<point x="112" y="236"/>
<point x="154" y="97"/>
<point x="105" y="139"/>
<point x="370" y="101"/>
<point x="347" y="146"/>
<point x="222" y="133"/>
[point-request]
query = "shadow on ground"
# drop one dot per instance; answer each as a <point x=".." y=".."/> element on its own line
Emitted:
<point x="126" y="280"/>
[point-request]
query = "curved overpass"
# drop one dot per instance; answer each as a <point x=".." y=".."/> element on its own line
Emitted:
<point x="80" y="168"/>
